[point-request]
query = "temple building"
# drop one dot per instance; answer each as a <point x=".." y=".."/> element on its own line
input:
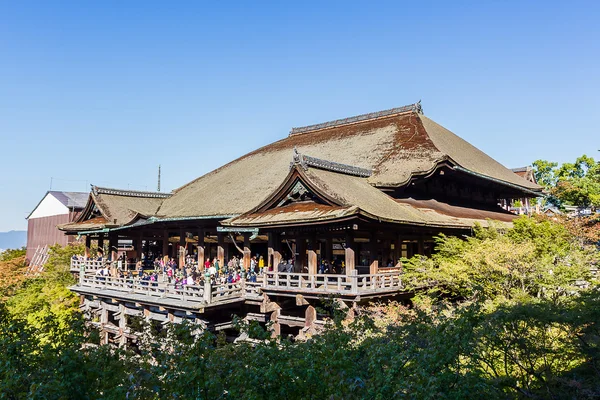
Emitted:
<point x="364" y="191"/>
<point x="381" y="184"/>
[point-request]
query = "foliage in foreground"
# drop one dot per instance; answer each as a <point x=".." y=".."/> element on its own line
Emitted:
<point x="517" y="327"/>
<point x="535" y="258"/>
<point x="47" y="297"/>
<point x="538" y="349"/>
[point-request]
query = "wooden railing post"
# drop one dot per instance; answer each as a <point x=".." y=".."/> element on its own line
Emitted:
<point x="207" y="291"/>
<point x="81" y="273"/>
<point x="354" y="278"/>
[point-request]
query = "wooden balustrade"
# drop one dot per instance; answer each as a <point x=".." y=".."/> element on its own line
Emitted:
<point x="89" y="265"/>
<point x="208" y="293"/>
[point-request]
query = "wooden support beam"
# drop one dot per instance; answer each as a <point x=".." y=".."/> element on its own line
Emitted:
<point x="247" y="252"/>
<point x="122" y="325"/>
<point x="397" y="262"/>
<point x="349" y="254"/>
<point x="181" y="249"/>
<point x="267" y="305"/>
<point x="275" y="327"/>
<point x="201" y="249"/>
<point x="101" y="243"/>
<point x="374" y="267"/>
<point x="113" y="241"/>
<point x="312" y="262"/>
<point x="328" y="249"/>
<point x="310" y="316"/>
<point x="220" y="250"/>
<point x="165" y="243"/>
<point x="300" y="254"/>
<point x="276" y="260"/>
<point x="138" y="247"/>
<point x="270" y="249"/>
<point x="300" y="300"/>
<point x="88" y="244"/>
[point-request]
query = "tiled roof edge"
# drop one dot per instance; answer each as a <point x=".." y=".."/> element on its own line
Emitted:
<point x="131" y="193"/>
<point x="306" y="161"/>
<point x="416" y="107"/>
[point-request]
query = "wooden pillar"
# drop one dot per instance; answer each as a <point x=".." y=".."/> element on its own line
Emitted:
<point x="165" y="244"/>
<point x="101" y="243"/>
<point x="103" y="322"/>
<point x="310" y="316"/>
<point x="350" y="257"/>
<point x="274" y="251"/>
<point x="397" y="262"/>
<point x="88" y="244"/>
<point x="247" y="252"/>
<point x="328" y="249"/>
<point x="113" y="241"/>
<point x="312" y="255"/>
<point x="421" y="246"/>
<point x="147" y="260"/>
<point x="374" y="267"/>
<point x="275" y="326"/>
<point x="201" y="249"/>
<point x="270" y="249"/>
<point x="220" y="250"/>
<point x="300" y="254"/>
<point x="122" y="325"/>
<point x="138" y="246"/>
<point x="181" y="249"/>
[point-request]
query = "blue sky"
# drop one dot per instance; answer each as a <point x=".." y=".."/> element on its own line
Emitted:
<point x="103" y="92"/>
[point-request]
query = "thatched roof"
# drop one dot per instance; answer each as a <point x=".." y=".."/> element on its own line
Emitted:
<point x="353" y="195"/>
<point x="123" y="206"/>
<point x="394" y="146"/>
<point x="116" y="208"/>
<point x="363" y="154"/>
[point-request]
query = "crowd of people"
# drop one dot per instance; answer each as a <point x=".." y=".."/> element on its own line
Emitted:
<point x="167" y="270"/>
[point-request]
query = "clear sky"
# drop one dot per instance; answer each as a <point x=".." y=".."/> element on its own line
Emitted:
<point x="102" y="92"/>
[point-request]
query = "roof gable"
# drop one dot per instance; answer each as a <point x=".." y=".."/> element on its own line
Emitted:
<point x="48" y="206"/>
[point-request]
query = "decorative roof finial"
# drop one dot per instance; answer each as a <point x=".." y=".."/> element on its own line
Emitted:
<point x="297" y="159"/>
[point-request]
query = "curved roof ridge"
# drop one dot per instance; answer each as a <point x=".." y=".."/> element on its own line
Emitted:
<point x="308" y="161"/>
<point x="415" y="107"/>
<point x="130" y="193"/>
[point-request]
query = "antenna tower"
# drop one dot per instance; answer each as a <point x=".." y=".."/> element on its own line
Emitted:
<point x="158" y="188"/>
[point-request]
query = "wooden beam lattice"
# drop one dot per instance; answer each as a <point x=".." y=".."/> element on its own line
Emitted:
<point x="39" y="259"/>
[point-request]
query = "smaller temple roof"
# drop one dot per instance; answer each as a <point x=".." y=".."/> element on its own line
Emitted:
<point x="115" y="207"/>
<point x="339" y="195"/>
<point x="122" y="207"/>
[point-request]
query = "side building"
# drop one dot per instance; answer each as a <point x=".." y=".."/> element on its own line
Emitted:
<point x="55" y="208"/>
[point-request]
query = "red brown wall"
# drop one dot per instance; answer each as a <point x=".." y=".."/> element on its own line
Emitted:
<point x="43" y="231"/>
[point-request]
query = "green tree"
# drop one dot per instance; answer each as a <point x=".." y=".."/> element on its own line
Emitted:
<point x="47" y="295"/>
<point x="533" y="258"/>
<point x="576" y="183"/>
<point x="11" y="254"/>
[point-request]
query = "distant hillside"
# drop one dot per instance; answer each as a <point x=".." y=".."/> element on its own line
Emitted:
<point x="13" y="239"/>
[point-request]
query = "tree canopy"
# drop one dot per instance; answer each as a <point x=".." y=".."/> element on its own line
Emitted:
<point x="576" y="183"/>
